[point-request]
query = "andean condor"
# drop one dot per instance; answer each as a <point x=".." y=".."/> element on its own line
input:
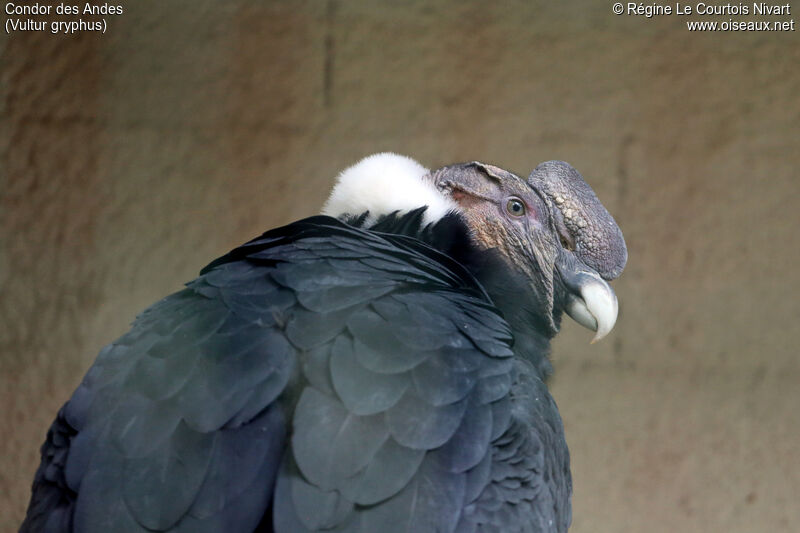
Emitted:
<point x="380" y="368"/>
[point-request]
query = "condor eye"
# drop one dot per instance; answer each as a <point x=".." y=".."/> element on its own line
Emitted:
<point x="515" y="207"/>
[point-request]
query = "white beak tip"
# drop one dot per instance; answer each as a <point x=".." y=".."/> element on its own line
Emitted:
<point x="595" y="309"/>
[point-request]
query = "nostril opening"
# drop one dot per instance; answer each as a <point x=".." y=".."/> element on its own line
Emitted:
<point x="566" y="238"/>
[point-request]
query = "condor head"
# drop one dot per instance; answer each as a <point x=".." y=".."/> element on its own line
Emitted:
<point x="551" y="229"/>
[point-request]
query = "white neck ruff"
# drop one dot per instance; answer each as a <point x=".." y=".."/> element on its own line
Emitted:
<point x="385" y="183"/>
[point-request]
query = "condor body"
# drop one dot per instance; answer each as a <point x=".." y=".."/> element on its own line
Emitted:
<point x="378" y="368"/>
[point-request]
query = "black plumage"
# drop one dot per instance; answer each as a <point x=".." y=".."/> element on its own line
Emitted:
<point x="324" y="376"/>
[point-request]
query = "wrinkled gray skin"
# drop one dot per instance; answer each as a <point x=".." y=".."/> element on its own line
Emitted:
<point x="527" y="243"/>
<point x="583" y="223"/>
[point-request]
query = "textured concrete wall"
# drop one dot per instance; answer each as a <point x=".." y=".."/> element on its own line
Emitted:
<point x="131" y="159"/>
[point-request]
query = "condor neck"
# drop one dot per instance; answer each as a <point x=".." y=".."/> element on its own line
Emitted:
<point x="510" y="293"/>
<point x="515" y="298"/>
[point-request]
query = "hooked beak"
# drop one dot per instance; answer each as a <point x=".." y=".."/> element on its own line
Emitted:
<point x="591" y="301"/>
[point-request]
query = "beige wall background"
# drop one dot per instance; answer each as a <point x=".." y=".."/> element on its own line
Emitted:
<point x="131" y="159"/>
